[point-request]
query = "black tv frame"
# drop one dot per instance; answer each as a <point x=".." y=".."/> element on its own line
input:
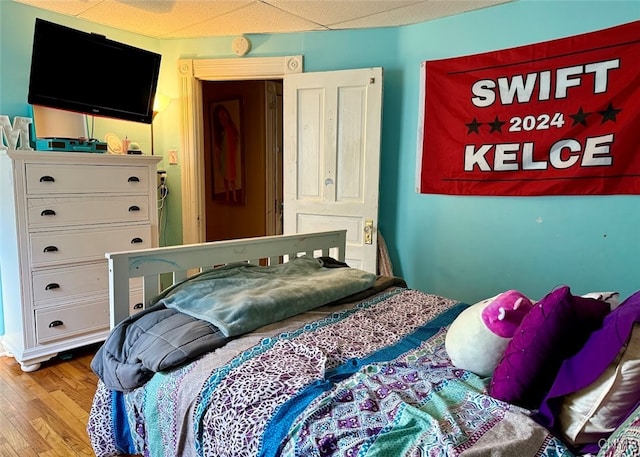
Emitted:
<point x="91" y="74"/>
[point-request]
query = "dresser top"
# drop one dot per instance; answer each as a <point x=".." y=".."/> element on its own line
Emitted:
<point x="75" y="157"/>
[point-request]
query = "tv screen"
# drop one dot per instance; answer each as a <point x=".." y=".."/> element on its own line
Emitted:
<point x="88" y="73"/>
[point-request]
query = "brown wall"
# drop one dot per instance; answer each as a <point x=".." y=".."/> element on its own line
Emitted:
<point x="226" y="219"/>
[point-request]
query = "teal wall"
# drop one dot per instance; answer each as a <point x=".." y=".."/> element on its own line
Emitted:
<point x="472" y="247"/>
<point x="466" y="248"/>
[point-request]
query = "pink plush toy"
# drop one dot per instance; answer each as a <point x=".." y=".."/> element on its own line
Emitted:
<point x="478" y="337"/>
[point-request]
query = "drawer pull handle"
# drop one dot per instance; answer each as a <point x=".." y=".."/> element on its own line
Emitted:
<point x="50" y="249"/>
<point x="47" y="179"/>
<point x="53" y="285"/>
<point x="48" y="212"/>
<point x="55" y="324"/>
<point x="136" y="240"/>
<point x="134" y="179"/>
<point x="137" y="306"/>
<point x="134" y="208"/>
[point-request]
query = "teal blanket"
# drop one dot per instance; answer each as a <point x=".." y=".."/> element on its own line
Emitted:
<point x="240" y="297"/>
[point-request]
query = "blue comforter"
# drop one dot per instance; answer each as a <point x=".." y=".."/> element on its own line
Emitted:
<point x="241" y="297"/>
<point x="203" y="312"/>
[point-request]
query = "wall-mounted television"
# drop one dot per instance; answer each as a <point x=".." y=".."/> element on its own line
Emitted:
<point x="88" y="73"/>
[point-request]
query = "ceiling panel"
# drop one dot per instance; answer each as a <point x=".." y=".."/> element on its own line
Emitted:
<point x="202" y="18"/>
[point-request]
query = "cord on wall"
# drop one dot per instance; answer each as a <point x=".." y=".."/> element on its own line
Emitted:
<point x="163" y="191"/>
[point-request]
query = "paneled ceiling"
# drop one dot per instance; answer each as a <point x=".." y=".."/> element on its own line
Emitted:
<point x="203" y="18"/>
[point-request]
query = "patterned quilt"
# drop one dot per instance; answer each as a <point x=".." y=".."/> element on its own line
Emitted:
<point x="372" y="379"/>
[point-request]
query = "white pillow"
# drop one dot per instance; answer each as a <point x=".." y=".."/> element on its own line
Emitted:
<point x="477" y="338"/>
<point x="594" y="412"/>
<point x="613" y="298"/>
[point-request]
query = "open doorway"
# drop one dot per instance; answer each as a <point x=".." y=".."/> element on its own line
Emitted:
<point x="192" y="74"/>
<point x="242" y="139"/>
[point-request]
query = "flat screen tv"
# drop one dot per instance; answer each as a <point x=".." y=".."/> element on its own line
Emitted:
<point x="88" y="73"/>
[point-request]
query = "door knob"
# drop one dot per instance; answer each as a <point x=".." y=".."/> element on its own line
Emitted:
<point x="368" y="231"/>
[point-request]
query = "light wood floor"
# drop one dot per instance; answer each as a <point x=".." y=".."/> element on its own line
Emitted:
<point x="45" y="413"/>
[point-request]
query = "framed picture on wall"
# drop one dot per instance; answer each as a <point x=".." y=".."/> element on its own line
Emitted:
<point x="227" y="151"/>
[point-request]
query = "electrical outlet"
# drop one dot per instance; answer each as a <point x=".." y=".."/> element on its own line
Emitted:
<point x="162" y="177"/>
<point x="173" y="157"/>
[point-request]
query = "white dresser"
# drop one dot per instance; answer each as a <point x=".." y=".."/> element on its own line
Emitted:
<point x="59" y="213"/>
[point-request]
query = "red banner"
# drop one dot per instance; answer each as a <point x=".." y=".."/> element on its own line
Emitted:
<point x="560" y="117"/>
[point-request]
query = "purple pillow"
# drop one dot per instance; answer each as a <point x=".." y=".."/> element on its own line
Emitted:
<point x="592" y="360"/>
<point x="555" y="329"/>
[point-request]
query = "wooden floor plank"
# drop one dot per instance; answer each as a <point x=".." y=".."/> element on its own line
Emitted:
<point x="7" y="451"/>
<point x="63" y="440"/>
<point x="34" y="441"/>
<point x="45" y="413"/>
<point x="70" y="405"/>
<point x="62" y="423"/>
<point x="12" y="438"/>
<point x="11" y="378"/>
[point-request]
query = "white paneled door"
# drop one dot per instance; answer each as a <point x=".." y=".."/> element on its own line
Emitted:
<point x="332" y="124"/>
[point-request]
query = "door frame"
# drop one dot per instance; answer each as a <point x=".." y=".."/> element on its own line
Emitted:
<point x="191" y="74"/>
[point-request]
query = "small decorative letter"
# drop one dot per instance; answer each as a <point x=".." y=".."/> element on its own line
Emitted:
<point x="20" y="130"/>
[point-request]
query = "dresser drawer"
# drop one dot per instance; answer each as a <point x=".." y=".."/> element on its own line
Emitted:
<point x="55" y="211"/>
<point x="66" y="321"/>
<point x="65" y="246"/>
<point x="63" y="284"/>
<point x="65" y="178"/>
<point x="136" y="295"/>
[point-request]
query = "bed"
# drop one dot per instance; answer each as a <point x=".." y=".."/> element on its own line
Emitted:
<point x="362" y="370"/>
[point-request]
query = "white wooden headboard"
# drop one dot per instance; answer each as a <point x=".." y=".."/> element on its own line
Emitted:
<point x="186" y="260"/>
